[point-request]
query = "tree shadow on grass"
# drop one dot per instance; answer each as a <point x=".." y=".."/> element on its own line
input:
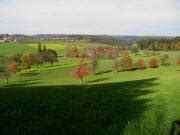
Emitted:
<point x="30" y="74"/>
<point x="96" y="109"/>
<point x="103" y="72"/>
<point x="23" y="83"/>
<point x="98" y="80"/>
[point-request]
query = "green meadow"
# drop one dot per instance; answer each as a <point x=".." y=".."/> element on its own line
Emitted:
<point x="48" y="100"/>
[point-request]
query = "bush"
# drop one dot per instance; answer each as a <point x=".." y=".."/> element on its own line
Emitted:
<point x="153" y="63"/>
<point x="140" y="64"/>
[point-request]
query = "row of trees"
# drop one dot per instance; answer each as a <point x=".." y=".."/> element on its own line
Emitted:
<point x="125" y="63"/>
<point x="89" y="52"/>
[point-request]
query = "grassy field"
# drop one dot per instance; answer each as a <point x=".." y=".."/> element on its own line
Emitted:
<point x="49" y="101"/>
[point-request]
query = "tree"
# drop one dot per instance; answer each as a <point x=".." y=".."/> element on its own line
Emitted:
<point x="39" y="47"/>
<point x="116" y="65"/>
<point x="51" y="56"/>
<point x="81" y="72"/>
<point x="140" y="64"/>
<point x="165" y="60"/>
<point x="126" y="62"/>
<point x="153" y="63"/>
<point x="94" y="64"/>
<point x="44" y="48"/>
<point x="17" y="58"/>
<point x="73" y="52"/>
<point x="32" y="59"/>
<point x="25" y="61"/>
<point x="7" y="75"/>
<point x="39" y="60"/>
<point x="13" y="69"/>
<point x="134" y="48"/>
<point x="178" y="61"/>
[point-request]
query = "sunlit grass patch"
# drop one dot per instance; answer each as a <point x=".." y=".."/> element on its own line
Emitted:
<point x="54" y="46"/>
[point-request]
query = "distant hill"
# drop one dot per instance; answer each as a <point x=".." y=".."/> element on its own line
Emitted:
<point x="133" y="39"/>
<point x="108" y="39"/>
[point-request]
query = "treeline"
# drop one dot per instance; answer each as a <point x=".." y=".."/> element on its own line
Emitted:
<point x="162" y="44"/>
<point x="43" y="55"/>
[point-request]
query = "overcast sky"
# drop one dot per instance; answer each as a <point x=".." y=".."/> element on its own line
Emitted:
<point x="115" y="17"/>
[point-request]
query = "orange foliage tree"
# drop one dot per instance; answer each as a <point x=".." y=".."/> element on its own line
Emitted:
<point x="140" y="64"/>
<point x="178" y="61"/>
<point x="7" y="75"/>
<point x="126" y="62"/>
<point x="153" y="63"/>
<point x="13" y="68"/>
<point x="81" y="72"/>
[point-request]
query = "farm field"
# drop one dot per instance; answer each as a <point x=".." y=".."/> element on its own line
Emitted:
<point x="48" y="100"/>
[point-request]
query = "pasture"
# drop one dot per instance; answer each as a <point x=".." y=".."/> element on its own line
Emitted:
<point x="48" y="100"/>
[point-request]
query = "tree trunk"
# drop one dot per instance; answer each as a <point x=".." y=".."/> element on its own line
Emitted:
<point x="7" y="80"/>
<point x="81" y="80"/>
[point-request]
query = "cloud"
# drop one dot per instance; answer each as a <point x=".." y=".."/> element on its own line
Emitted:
<point x="140" y="17"/>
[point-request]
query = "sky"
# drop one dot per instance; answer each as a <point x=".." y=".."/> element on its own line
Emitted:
<point x="110" y="17"/>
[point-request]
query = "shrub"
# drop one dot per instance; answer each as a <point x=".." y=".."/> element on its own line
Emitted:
<point x="153" y="63"/>
<point x="140" y="64"/>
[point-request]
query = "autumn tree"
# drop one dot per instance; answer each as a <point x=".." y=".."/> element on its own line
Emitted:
<point x="126" y="62"/>
<point x="81" y="71"/>
<point x="12" y="68"/>
<point x="72" y="52"/>
<point x="25" y="61"/>
<point x="116" y="65"/>
<point x="178" y="61"/>
<point x="140" y="64"/>
<point x="134" y="48"/>
<point x="164" y="60"/>
<point x="94" y="64"/>
<point x="153" y="63"/>
<point x="7" y="75"/>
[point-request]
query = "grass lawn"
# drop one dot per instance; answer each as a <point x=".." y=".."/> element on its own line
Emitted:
<point x="49" y="101"/>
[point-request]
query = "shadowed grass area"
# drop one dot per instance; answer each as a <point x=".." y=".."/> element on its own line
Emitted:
<point x="81" y="110"/>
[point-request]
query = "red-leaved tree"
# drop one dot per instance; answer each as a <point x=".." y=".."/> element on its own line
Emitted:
<point x="153" y="63"/>
<point x="140" y="64"/>
<point x="81" y="72"/>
